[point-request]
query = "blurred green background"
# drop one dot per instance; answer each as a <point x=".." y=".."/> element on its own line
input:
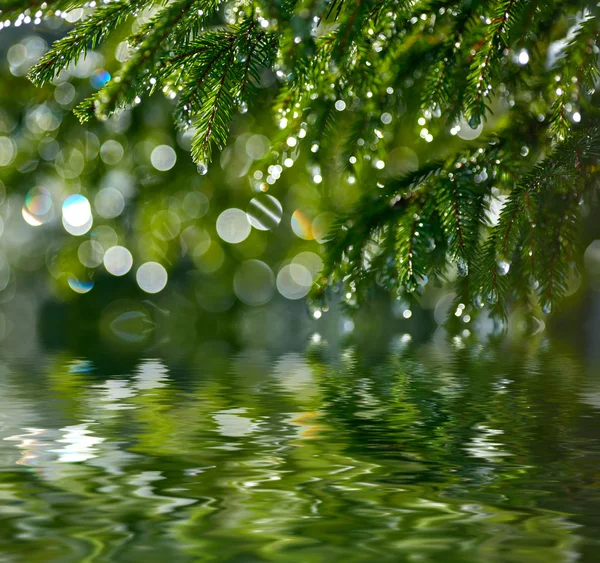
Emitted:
<point x="109" y="232"/>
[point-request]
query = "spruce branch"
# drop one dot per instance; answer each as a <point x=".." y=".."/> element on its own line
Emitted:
<point x="488" y="49"/>
<point x="84" y="37"/>
<point x="136" y="78"/>
<point x="354" y="80"/>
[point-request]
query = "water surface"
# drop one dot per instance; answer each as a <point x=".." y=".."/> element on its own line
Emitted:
<point x="449" y="451"/>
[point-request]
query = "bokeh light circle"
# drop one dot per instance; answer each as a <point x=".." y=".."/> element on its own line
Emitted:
<point x="233" y="225"/>
<point x="79" y="286"/>
<point x="195" y="204"/>
<point x="311" y="261"/>
<point x="591" y="260"/>
<point x="111" y="152"/>
<point x="109" y="203"/>
<point x="264" y="212"/>
<point x="322" y="225"/>
<point x="302" y="225"/>
<point x="76" y="210"/>
<point x="152" y="277"/>
<point x="4" y="271"/>
<point x="163" y="158"/>
<point x="79" y="230"/>
<point x="118" y="260"/>
<point x="90" y="253"/>
<point x="38" y="207"/>
<point x="166" y="225"/>
<point x="294" y="281"/>
<point x="258" y="146"/>
<point x="254" y="283"/>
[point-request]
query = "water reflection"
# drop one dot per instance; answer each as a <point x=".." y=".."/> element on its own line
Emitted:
<point x="424" y="453"/>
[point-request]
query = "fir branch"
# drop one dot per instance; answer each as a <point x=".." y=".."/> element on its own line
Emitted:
<point x="85" y="36"/>
<point x="126" y="85"/>
<point x="483" y="64"/>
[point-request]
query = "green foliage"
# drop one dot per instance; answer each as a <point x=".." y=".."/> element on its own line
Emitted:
<point x="347" y="72"/>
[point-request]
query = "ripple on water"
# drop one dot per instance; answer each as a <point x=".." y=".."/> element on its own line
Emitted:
<point x="427" y="453"/>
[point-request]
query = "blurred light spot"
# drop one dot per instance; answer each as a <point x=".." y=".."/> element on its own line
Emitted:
<point x="301" y="225"/>
<point x="48" y="148"/>
<point x="195" y="204"/>
<point x="8" y="151"/>
<point x="254" y="282"/>
<point x="80" y="286"/>
<point x="41" y="119"/>
<point x="17" y="54"/>
<point x="258" y="146"/>
<point x="38" y="206"/>
<point x="109" y="203"/>
<point x="118" y="260"/>
<point x="321" y="226"/>
<point x="90" y="253"/>
<point x="91" y="145"/>
<point x="122" y="52"/>
<point x="294" y="281"/>
<point x="4" y="271"/>
<point x="165" y="225"/>
<point x="111" y="152"/>
<point x="195" y="241"/>
<point x="100" y="78"/>
<point x="311" y="261"/>
<point x="264" y="212"/>
<point x="69" y="163"/>
<point x="163" y="158"/>
<point x="76" y="210"/>
<point x="151" y="277"/>
<point x="523" y="57"/>
<point x="591" y="260"/>
<point x="233" y="225"/>
<point x="105" y="235"/>
<point x="120" y="180"/>
<point x="64" y="93"/>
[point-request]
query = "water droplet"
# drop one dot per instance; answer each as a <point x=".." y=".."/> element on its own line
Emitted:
<point x="202" y="168"/>
<point x="492" y="297"/>
<point x="243" y="107"/>
<point x="474" y="122"/>
<point x="478" y="302"/>
<point x="547" y="308"/>
<point x="462" y="267"/>
<point x="503" y="267"/>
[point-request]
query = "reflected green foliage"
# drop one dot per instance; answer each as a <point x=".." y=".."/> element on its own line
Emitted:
<point x="435" y="452"/>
